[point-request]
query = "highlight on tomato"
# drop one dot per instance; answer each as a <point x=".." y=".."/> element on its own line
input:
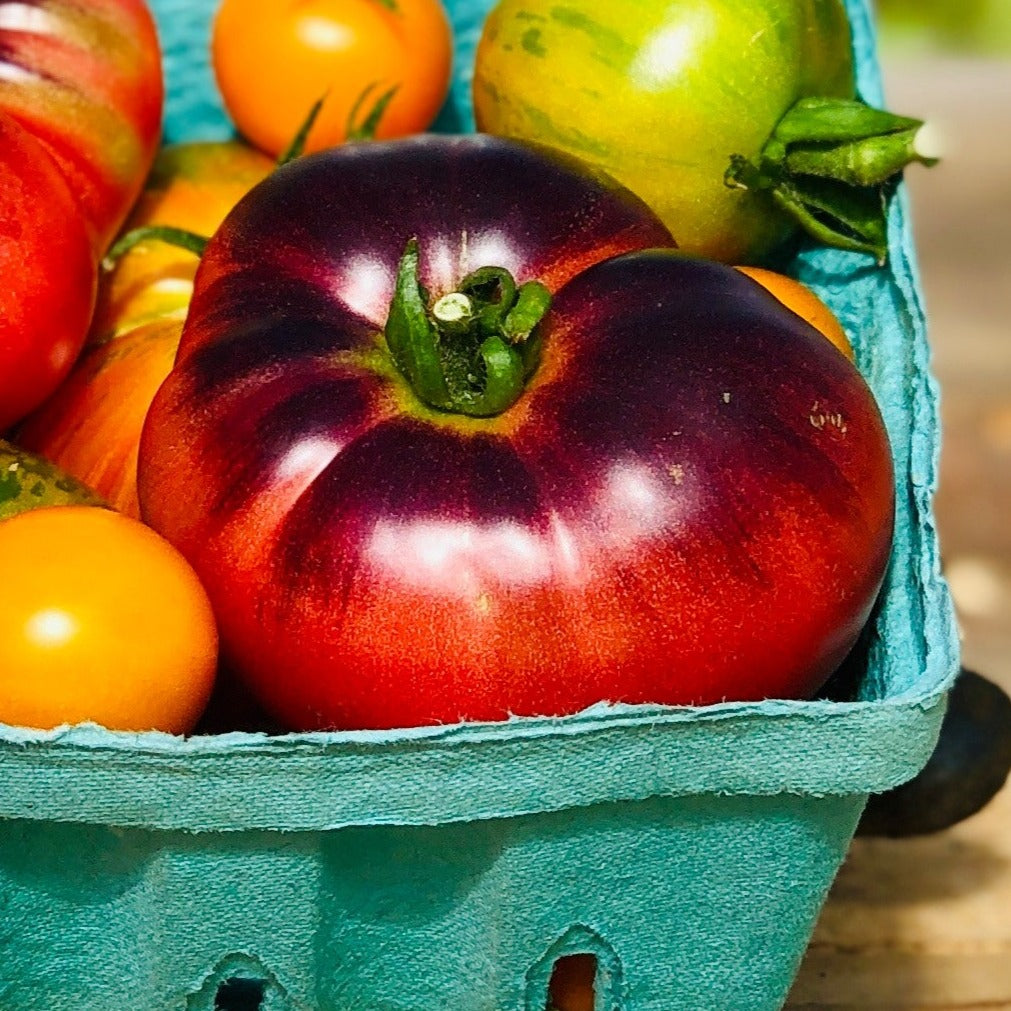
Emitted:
<point x="383" y="67"/>
<point x="101" y="621"/>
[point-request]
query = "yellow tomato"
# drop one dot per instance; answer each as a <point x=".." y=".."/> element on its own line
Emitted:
<point x="103" y="621"/>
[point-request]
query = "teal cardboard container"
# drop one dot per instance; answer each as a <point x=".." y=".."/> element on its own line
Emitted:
<point x="689" y="849"/>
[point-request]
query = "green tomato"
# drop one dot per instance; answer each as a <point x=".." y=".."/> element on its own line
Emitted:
<point x="660" y="94"/>
<point x="28" y="481"/>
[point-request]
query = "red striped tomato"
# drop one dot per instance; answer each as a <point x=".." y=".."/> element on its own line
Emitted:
<point x="86" y="80"/>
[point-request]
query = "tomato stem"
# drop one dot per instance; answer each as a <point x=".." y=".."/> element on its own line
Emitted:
<point x="179" y="237"/>
<point x="830" y="164"/>
<point x="472" y="352"/>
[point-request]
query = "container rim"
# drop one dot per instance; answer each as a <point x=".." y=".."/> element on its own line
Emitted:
<point x="466" y="772"/>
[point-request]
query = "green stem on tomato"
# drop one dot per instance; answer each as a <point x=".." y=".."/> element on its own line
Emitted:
<point x="190" y="241"/>
<point x="495" y="292"/>
<point x="532" y="302"/>
<point x="366" y="130"/>
<point x="412" y="336"/>
<point x="471" y="352"/>
<point x="829" y="164"/>
<point x="179" y="237"/>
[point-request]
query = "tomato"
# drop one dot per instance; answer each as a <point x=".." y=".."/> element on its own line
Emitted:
<point x="191" y="187"/>
<point x="91" y="425"/>
<point x="86" y="80"/>
<point x="450" y="435"/>
<point x="804" y="302"/>
<point x="101" y="620"/>
<point x="572" y="984"/>
<point x="48" y="270"/>
<point x="272" y="61"/>
<point x="663" y="95"/>
<point x="28" y="481"/>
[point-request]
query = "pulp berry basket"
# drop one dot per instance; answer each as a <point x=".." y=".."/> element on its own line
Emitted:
<point x="688" y="849"/>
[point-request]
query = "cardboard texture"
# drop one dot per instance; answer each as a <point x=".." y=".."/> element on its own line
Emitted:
<point x="448" y="867"/>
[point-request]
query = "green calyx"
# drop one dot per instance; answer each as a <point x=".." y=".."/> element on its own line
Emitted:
<point x="829" y="165"/>
<point x="472" y="351"/>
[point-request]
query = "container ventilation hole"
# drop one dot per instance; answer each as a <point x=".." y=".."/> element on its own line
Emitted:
<point x="238" y="993"/>
<point x="572" y="985"/>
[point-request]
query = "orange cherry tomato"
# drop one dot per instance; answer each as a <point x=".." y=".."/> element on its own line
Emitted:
<point x="799" y="298"/>
<point x="91" y="426"/>
<point x="103" y="621"/>
<point x="273" y="60"/>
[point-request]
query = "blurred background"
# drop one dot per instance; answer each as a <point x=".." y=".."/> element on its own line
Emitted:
<point x="925" y="923"/>
<point x="949" y="61"/>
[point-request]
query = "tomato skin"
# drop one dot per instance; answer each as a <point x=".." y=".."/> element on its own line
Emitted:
<point x="660" y="95"/>
<point x="805" y="303"/>
<point x="272" y="61"/>
<point x="101" y="620"/>
<point x="692" y="500"/>
<point x="91" y="426"/>
<point x="86" y="80"/>
<point x="49" y="273"/>
<point x="29" y="481"/>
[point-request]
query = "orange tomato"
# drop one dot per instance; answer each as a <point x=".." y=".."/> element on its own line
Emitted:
<point x="91" y="426"/>
<point x="193" y="187"/>
<point x="804" y="302"/>
<point x="273" y="60"/>
<point x="101" y="620"/>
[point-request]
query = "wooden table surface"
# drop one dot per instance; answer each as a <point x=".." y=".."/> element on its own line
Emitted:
<point x="925" y="924"/>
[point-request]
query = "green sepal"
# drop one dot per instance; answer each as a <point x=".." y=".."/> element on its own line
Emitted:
<point x="842" y="216"/>
<point x="504" y="377"/>
<point x="532" y="302"/>
<point x="297" y="146"/>
<point x="871" y="161"/>
<point x="837" y="119"/>
<point x="494" y="292"/>
<point x="829" y="164"/>
<point x="366" y="130"/>
<point x="411" y="337"/>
